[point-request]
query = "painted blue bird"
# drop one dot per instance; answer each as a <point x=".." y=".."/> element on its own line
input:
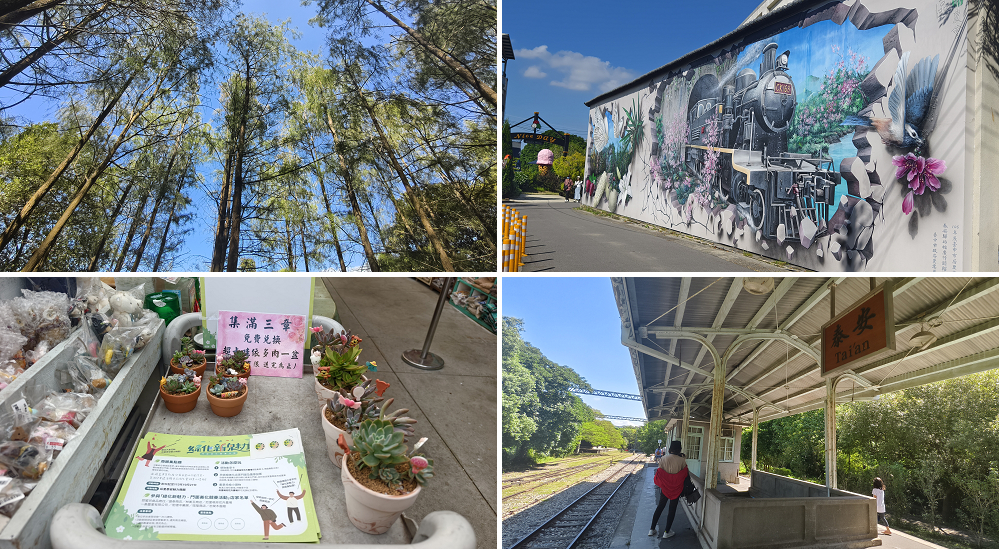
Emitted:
<point x="909" y="103"/>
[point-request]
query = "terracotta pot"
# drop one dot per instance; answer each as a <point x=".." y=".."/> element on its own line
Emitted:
<point x="176" y="368"/>
<point x="227" y="407"/>
<point x="371" y="512"/>
<point x="331" y="431"/>
<point x="180" y="403"/>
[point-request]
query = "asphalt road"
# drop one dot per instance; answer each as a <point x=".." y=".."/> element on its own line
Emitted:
<point x="561" y="238"/>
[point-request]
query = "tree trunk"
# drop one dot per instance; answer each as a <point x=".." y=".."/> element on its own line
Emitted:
<point x="288" y="248"/>
<point x="163" y="238"/>
<point x="305" y="253"/>
<point x="391" y="151"/>
<point x="353" y="197"/>
<point x="222" y="230"/>
<point x="122" y="199"/>
<point x="149" y="228"/>
<point x="21" y="64"/>
<point x="236" y="214"/>
<point x="329" y="210"/>
<point x="13" y="12"/>
<point x="443" y="56"/>
<point x="21" y="218"/>
<point x="43" y="249"/>
<point x="133" y="227"/>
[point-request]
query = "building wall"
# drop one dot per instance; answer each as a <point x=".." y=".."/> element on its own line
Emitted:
<point x="729" y="470"/>
<point x="653" y="156"/>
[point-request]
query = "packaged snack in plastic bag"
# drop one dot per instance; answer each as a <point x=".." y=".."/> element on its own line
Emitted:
<point x="66" y="407"/>
<point x="83" y="375"/>
<point x="12" y="493"/>
<point x="10" y="343"/>
<point x="25" y="459"/>
<point x="9" y="370"/>
<point x="116" y="348"/>
<point x="50" y="312"/>
<point x="53" y="436"/>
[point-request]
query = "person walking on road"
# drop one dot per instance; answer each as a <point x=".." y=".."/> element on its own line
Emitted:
<point x="878" y="491"/>
<point x="669" y="478"/>
<point x="567" y="189"/>
<point x="577" y="190"/>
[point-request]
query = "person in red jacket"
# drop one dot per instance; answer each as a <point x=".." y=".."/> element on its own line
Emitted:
<point x="669" y="478"/>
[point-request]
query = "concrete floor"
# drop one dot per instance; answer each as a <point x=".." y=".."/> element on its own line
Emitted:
<point x="456" y="407"/>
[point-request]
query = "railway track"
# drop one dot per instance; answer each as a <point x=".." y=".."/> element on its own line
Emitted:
<point x="552" y="474"/>
<point x="567" y="526"/>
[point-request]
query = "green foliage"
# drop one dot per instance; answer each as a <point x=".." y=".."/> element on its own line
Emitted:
<point x="935" y="446"/>
<point x="602" y="433"/>
<point x="570" y="166"/>
<point x="649" y="433"/>
<point x="540" y="416"/>
<point x="816" y="123"/>
<point x="180" y="384"/>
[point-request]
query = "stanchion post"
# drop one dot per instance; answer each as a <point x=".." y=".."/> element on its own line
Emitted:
<point x="423" y="358"/>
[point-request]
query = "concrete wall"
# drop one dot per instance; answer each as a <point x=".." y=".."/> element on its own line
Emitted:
<point x="845" y="520"/>
<point x="651" y="159"/>
<point x="770" y="485"/>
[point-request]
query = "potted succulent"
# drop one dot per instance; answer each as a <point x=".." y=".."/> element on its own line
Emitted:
<point x="343" y="414"/>
<point x="381" y="480"/>
<point x="188" y="358"/>
<point x="233" y="365"/>
<point x="227" y="394"/>
<point x="335" y="363"/>
<point x="180" y="391"/>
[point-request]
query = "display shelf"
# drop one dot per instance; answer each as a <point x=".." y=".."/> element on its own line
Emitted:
<point x="473" y="290"/>
<point x="72" y="472"/>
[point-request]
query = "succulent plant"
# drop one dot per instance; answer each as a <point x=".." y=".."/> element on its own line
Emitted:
<point x="380" y="448"/>
<point x="227" y="387"/>
<point x="337" y="353"/>
<point x="234" y="365"/>
<point x="421" y="469"/>
<point x="187" y="355"/>
<point x="181" y="384"/>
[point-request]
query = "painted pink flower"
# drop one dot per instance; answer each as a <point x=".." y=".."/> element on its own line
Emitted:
<point x="926" y="176"/>
<point x="349" y="403"/>
<point x="908" y="203"/>
<point x="907" y="166"/>
<point x="418" y="463"/>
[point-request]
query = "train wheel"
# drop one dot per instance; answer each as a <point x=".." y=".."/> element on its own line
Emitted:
<point x="721" y="178"/>
<point x="739" y="190"/>
<point x="757" y="206"/>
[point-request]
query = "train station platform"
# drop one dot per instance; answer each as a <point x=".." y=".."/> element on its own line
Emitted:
<point x="634" y="525"/>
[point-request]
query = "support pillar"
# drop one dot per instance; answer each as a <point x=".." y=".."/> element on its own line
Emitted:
<point x="831" y="434"/>
<point x="753" y="440"/>
<point x="684" y="427"/>
<point x="715" y="425"/>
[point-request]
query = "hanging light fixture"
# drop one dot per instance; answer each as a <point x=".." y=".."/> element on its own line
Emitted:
<point x="758" y="285"/>
<point x="922" y="339"/>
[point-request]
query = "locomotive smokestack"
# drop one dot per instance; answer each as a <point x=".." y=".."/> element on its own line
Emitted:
<point x="767" y="58"/>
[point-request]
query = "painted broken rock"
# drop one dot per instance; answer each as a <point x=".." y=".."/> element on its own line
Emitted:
<point x="807" y="232"/>
<point x="781" y="233"/>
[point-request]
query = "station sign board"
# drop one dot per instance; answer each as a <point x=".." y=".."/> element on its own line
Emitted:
<point x="865" y="328"/>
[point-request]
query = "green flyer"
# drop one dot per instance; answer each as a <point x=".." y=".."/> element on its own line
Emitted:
<point x="244" y="488"/>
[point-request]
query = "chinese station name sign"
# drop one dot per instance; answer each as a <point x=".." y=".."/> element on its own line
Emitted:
<point x="273" y="342"/>
<point x="865" y="328"/>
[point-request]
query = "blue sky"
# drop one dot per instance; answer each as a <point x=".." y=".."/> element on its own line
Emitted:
<point x="586" y="48"/>
<point x="575" y="322"/>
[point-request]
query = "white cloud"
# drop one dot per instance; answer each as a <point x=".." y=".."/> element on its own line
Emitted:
<point x="579" y="72"/>
<point x="534" y="72"/>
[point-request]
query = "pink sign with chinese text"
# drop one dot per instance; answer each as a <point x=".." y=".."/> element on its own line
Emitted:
<point x="273" y="342"/>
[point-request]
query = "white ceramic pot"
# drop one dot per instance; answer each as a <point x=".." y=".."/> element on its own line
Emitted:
<point x="331" y="431"/>
<point x="322" y="393"/>
<point x="371" y="512"/>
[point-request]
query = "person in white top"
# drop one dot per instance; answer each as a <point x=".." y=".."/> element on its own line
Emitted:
<point x="878" y="491"/>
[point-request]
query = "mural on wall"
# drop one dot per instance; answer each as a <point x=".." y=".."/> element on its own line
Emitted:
<point x="831" y="144"/>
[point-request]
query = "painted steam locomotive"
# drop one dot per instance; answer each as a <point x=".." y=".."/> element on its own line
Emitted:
<point x="782" y="194"/>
